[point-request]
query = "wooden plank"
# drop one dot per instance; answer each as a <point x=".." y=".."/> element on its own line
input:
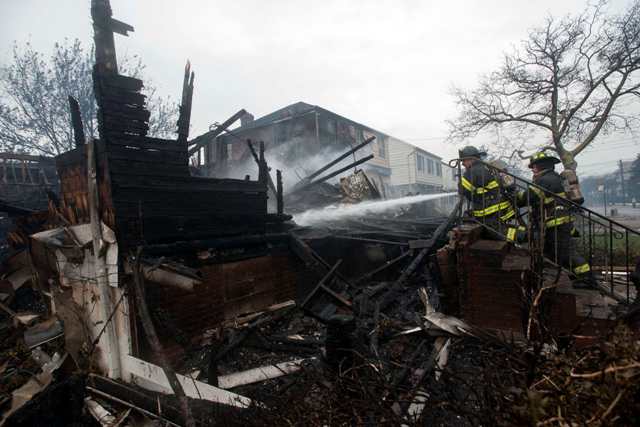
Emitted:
<point x="183" y="210"/>
<point x="147" y="156"/>
<point x="124" y="82"/>
<point x="126" y="112"/>
<point x="146" y="185"/>
<point x="127" y="170"/>
<point x="120" y="96"/>
<point x="148" y="143"/>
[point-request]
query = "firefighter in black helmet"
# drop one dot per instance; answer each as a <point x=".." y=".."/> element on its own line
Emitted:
<point x="551" y="216"/>
<point x="479" y="185"/>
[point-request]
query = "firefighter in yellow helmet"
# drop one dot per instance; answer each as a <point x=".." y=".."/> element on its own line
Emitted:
<point x="479" y="184"/>
<point x="552" y="217"/>
<point x="515" y="231"/>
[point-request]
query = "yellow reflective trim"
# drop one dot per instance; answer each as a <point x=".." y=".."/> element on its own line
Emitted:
<point x="548" y="200"/>
<point x="511" y="234"/>
<point x="492" y="209"/>
<point x="508" y="215"/>
<point x="490" y="186"/>
<point x="537" y="191"/>
<point x="466" y="184"/>
<point x="581" y="269"/>
<point x="559" y="221"/>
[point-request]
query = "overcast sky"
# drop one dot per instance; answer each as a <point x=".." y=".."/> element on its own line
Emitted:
<point x="387" y="64"/>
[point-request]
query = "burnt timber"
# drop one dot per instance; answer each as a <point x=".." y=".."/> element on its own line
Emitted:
<point x="155" y="283"/>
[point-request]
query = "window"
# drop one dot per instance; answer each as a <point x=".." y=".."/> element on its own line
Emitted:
<point x="430" y="166"/>
<point x="438" y="169"/>
<point x="382" y="146"/>
<point x="420" y="163"/>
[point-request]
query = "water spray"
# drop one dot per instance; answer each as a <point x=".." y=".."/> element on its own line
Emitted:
<point x="342" y="211"/>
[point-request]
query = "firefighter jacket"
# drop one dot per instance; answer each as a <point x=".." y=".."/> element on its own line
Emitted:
<point x="480" y="185"/>
<point x="554" y="210"/>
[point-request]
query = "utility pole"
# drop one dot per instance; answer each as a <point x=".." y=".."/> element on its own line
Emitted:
<point x="604" y="194"/>
<point x="624" y="194"/>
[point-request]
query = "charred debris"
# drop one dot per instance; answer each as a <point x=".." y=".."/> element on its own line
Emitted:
<point x="144" y="292"/>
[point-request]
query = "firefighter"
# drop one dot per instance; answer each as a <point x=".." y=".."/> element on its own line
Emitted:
<point x="515" y="230"/>
<point x="479" y="185"/>
<point x="554" y="217"/>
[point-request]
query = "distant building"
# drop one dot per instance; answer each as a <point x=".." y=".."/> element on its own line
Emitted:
<point x="449" y="178"/>
<point x="301" y="137"/>
<point x="414" y="170"/>
<point x="617" y="185"/>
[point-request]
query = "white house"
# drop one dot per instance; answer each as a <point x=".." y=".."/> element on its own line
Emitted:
<point x="414" y="170"/>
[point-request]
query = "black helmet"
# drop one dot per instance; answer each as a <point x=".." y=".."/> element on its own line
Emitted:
<point x="542" y="158"/>
<point x="470" y="151"/>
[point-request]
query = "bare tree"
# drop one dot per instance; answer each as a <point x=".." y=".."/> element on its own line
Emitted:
<point x="34" y="110"/>
<point x="569" y="80"/>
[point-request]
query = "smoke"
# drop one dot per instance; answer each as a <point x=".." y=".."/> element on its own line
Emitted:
<point x="296" y="159"/>
<point x="342" y="211"/>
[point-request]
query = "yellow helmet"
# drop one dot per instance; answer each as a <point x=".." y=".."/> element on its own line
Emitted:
<point x="542" y="157"/>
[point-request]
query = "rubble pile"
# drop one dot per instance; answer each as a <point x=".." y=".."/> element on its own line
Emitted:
<point x="146" y="294"/>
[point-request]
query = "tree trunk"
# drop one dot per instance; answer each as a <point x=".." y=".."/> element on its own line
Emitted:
<point x="567" y="158"/>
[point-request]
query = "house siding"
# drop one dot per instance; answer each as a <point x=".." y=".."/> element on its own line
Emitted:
<point x="403" y="160"/>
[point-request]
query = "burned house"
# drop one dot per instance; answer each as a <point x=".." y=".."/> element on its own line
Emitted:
<point x="25" y="179"/>
<point x="299" y="138"/>
<point x="27" y="183"/>
<point x="183" y="299"/>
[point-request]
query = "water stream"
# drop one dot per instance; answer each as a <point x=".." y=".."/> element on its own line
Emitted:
<point x="342" y="211"/>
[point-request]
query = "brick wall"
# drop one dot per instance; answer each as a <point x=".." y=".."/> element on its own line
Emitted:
<point x="227" y="290"/>
<point x="482" y="281"/>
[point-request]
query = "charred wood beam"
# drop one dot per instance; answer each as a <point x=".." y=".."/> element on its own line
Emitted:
<point x="222" y="243"/>
<point x="241" y="335"/>
<point x="120" y="27"/>
<point x="339" y="159"/>
<point x="312" y="260"/>
<point x="184" y="119"/>
<point x="332" y="174"/>
<point x="103" y="28"/>
<point x="365" y="240"/>
<point x="383" y="267"/>
<point x="260" y="165"/>
<point x="438" y="235"/>
<point x="206" y="138"/>
<point x="388" y="297"/>
<point x="383" y="229"/>
<point x="13" y="210"/>
<point x="387" y="233"/>
<point x="402" y="375"/>
<point x="264" y="343"/>
<point x="263" y="171"/>
<point x="125" y="403"/>
<point x="322" y="286"/>
<point x="426" y="367"/>
<point x="134" y="397"/>
<point x="76" y="121"/>
<point x="154" y="340"/>
<point x="279" y="193"/>
<point x="27" y="157"/>
<point x="303" y="342"/>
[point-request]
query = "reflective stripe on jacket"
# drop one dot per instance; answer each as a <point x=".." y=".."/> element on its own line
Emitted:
<point x="555" y="211"/>
<point x="480" y="185"/>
